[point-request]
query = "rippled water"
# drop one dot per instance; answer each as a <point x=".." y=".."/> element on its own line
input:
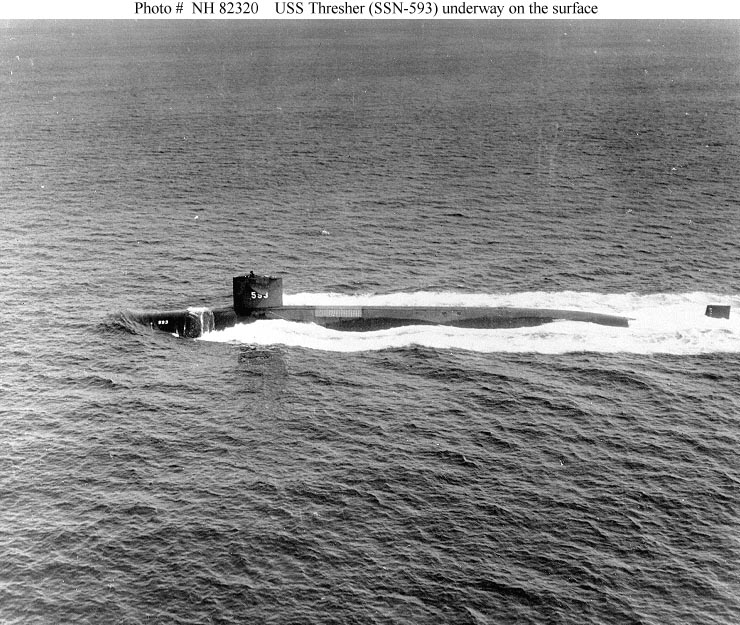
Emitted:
<point x="284" y="473"/>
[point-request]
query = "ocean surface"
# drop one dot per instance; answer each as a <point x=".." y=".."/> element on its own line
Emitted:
<point x="283" y="473"/>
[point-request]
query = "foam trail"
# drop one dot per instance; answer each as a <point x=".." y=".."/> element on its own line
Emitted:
<point x="671" y="323"/>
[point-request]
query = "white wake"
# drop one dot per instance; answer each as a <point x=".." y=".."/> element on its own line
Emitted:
<point x="672" y="323"/>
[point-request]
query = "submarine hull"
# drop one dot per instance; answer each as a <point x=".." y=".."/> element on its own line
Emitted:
<point x="188" y="324"/>
<point x="369" y="318"/>
<point x="261" y="298"/>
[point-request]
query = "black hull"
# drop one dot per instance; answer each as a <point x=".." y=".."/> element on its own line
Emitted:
<point x="261" y="298"/>
<point x="368" y="318"/>
<point x="194" y="323"/>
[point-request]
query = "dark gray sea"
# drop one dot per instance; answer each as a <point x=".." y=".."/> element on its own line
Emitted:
<point x="284" y="473"/>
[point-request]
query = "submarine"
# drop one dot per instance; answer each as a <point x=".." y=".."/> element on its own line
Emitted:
<point x="258" y="297"/>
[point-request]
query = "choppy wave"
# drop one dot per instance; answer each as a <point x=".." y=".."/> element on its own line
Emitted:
<point x="670" y="323"/>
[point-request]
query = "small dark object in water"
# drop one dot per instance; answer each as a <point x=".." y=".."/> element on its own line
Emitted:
<point x="718" y="312"/>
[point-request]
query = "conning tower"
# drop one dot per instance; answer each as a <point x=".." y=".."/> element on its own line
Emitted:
<point x="253" y="293"/>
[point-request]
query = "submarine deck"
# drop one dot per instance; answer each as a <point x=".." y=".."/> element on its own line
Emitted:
<point x="367" y="318"/>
